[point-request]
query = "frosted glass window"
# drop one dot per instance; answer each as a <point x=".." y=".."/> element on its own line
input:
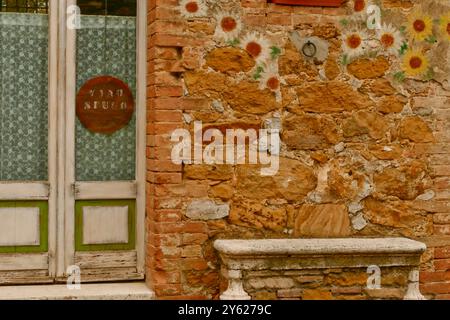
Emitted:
<point x="106" y="45"/>
<point x="23" y="95"/>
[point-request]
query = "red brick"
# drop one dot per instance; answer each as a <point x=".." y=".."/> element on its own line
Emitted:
<point x="163" y="78"/>
<point x="187" y="227"/>
<point x="164" y="239"/>
<point x="163" y="278"/>
<point x="161" y="3"/>
<point x="166" y="116"/>
<point x="441" y="170"/>
<point x="426" y="277"/>
<point x="272" y="7"/>
<point x="166" y="26"/>
<point x="307" y="10"/>
<point x="173" y="103"/>
<point x="166" y="128"/>
<point x="341" y="11"/>
<point x="163" y="13"/>
<point x="194" y="238"/>
<point x="194" y="264"/>
<point x="168" y="203"/>
<point x="167" y="215"/>
<point x="162" y="53"/>
<point x="159" y="153"/>
<point x="442" y="253"/>
<point x="442" y="265"/>
<point x="192" y="251"/>
<point x="168" y="190"/>
<point x="168" y="40"/>
<point x="195" y="227"/>
<point x="435" y="288"/>
<point x="164" y="91"/>
<point x="442" y="229"/>
<point x="255" y="20"/>
<point x="253" y="3"/>
<point x="163" y="166"/>
<point x="165" y="264"/>
<point x="284" y="19"/>
<point x="164" y="178"/>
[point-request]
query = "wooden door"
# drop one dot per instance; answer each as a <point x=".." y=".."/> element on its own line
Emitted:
<point x="69" y="196"/>
<point x="105" y="171"/>
<point x="28" y="99"/>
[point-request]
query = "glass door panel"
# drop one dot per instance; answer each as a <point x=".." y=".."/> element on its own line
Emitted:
<point x="26" y="210"/>
<point x="106" y="45"/>
<point x="105" y="207"/>
<point x="23" y="94"/>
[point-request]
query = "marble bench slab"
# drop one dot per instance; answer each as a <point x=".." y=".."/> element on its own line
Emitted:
<point x="300" y="254"/>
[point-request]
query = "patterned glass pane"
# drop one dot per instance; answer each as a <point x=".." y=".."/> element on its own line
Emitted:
<point x="108" y="7"/>
<point x="23" y="97"/>
<point x="106" y="45"/>
<point x="29" y="6"/>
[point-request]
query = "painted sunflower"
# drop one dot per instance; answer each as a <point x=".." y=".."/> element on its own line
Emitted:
<point x="444" y="26"/>
<point x="391" y="39"/>
<point x="355" y="44"/>
<point x="420" y="26"/>
<point x="257" y="46"/>
<point x="193" y="8"/>
<point x="359" y="7"/>
<point x="270" y="79"/>
<point x="228" y="26"/>
<point x="415" y="63"/>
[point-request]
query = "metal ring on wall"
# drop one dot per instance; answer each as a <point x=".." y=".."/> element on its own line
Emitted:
<point x="309" y="49"/>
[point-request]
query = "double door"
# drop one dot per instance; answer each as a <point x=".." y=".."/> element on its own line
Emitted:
<point x="72" y="193"/>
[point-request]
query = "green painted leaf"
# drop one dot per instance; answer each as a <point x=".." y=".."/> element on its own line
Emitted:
<point x="400" y="76"/>
<point x="431" y="39"/>
<point x="344" y="22"/>
<point x="234" y="42"/>
<point x="258" y="73"/>
<point x="345" y="61"/>
<point x="429" y="75"/>
<point x="275" y="52"/>
<point x="403" y="48"/>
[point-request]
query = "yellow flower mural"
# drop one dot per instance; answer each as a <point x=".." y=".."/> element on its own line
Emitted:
<point x="415" y="63"/>
<point x="444" y="26"/>
<point x="420" y="26"/>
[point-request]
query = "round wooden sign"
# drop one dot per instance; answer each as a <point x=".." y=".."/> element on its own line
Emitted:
<point x="105" y="105"/>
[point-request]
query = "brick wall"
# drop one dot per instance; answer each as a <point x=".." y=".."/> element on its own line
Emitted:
<point x="365" y="148"/>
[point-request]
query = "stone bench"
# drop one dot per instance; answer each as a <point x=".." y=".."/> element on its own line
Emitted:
<point x="241" y="258"/>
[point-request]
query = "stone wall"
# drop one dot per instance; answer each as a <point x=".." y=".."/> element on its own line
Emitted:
<point x="364" y="126"/>
<point x="330" y="284"/>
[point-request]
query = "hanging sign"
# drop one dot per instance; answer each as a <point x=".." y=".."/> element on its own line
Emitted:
<point x="105" y="105"/>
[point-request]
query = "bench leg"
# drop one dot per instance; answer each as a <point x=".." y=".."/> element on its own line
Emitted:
<point x="235" y="289"/>
<point x="413" y="292"/>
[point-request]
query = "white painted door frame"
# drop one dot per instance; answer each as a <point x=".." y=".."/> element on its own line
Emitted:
<point x="62" y="190"/>
<point x="44" y="190"/>
<point x="69" y="190"/>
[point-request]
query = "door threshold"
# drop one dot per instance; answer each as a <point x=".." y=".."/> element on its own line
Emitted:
<point x="109" y="291"/>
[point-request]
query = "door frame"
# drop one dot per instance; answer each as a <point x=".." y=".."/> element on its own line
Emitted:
<point x="69" y="191"/>
<point x="26" y="191"/>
